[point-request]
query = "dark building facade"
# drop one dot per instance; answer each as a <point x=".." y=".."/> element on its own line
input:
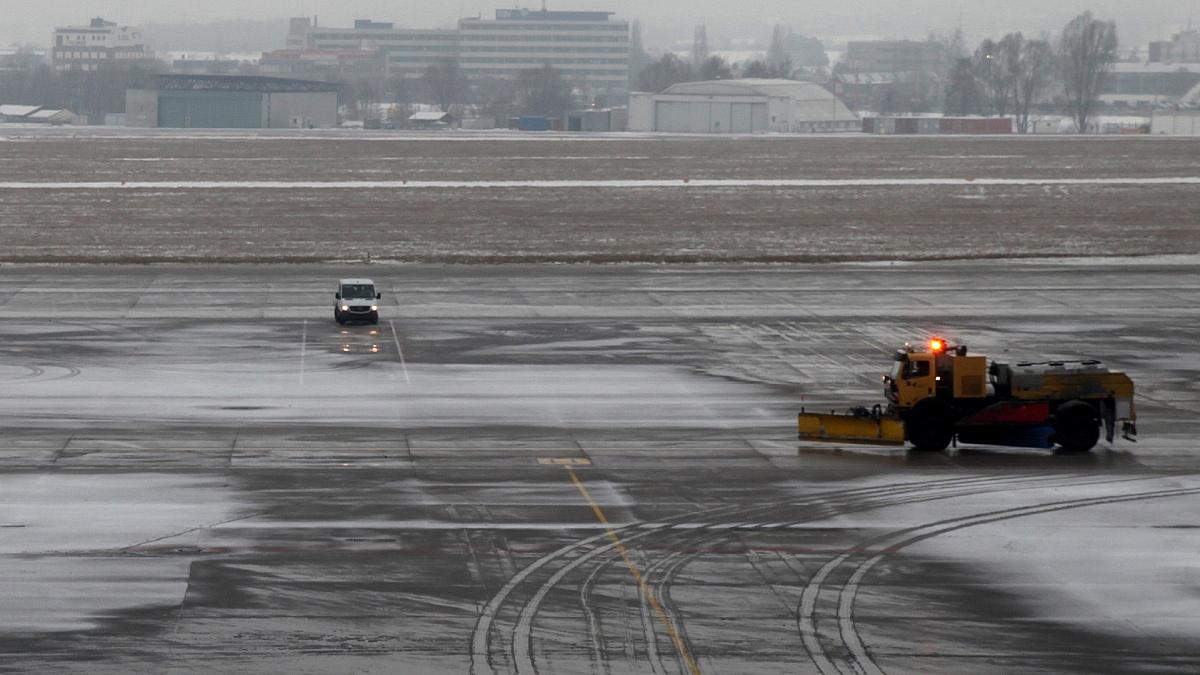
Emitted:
<point x="231" y="102"/>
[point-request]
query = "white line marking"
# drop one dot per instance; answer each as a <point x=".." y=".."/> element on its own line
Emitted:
<point x="303" y="349"/>
<point x="616" y="183"/>
<point x="396" y="339"/>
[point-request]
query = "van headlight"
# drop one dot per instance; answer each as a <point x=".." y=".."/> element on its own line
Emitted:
<point x="345" y="308"/>
<point x="374" y="308"/>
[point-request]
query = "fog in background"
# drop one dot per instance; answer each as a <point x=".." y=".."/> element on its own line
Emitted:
<point x="31" y="21"/>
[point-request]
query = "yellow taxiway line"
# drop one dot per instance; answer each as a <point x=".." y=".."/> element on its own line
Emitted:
<point x="684" y="652"/>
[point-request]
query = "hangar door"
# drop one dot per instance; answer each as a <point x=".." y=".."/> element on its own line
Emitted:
<point x="704" y="117"/>
<point x="210" y="109"/>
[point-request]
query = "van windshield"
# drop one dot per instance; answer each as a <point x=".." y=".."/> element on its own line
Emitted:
<point x="358" y="292"/>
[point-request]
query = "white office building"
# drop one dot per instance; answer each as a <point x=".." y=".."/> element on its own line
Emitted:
<point x="590" y="48"/>
<point x="98" y="44"/>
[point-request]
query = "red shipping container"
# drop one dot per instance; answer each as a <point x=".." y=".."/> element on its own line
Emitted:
<point x="977" y="125"/>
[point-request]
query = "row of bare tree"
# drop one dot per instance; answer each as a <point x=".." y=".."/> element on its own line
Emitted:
<point x="669" y="69"/>
<point x="26" y="79"/>
<point x="536" y="91"/>
<point x="1009" y="76"/>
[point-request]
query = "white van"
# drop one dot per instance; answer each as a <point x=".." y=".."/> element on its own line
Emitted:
<point x="356" y="300"/>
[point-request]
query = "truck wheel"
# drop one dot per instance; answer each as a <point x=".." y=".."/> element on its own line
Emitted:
<point x="1076" y="426"/>
<point x="929" y="428"/>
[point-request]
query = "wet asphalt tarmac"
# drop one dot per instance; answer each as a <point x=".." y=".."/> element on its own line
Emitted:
<point x="572" y="469"/>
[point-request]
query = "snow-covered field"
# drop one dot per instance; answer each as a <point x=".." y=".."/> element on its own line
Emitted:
<point x="99" y="196"/>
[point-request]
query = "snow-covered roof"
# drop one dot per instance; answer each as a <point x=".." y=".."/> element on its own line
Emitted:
<point x="876" y="78"/>
<point x="17" y="110"/>
<point x="751" y="87"/>
<point x="356" y="282"/>
<point x="48" y="113"/>
<point x="429" y="117"/>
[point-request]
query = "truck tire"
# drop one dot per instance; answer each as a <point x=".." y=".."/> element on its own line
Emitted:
<point x="929" y="427"/>
<point x="1076" y="427"/>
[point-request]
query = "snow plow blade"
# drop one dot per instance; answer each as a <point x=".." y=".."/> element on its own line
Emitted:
<point x="865" y="429"/>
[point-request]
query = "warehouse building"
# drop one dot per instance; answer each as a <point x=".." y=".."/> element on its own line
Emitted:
<point x="1176" y="123"/>
<point x="232" y="102"/>
<point x="749" y="106"/>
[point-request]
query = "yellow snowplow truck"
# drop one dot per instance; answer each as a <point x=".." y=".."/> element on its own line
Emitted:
<point x="942" y="393"/>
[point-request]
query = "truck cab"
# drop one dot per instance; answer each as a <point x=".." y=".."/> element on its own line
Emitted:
<point x="913" y="379"/>
<point x="356" y="300"/>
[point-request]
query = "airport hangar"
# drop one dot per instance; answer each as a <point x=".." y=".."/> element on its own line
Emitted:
<point x="750" y="106"/>
<point x="231" y="102"/>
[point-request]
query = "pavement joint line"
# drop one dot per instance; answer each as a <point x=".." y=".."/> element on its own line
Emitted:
<point x="396" y="339"/>
<point x="60" y="452"/>
<point x="582" y="450"/>
<point x="635" y="572"/>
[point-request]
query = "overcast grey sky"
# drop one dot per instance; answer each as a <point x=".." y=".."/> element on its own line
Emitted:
<point x="1140" y="20"/>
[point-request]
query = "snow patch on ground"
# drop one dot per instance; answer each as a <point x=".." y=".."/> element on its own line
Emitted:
<point x="623" y="184"/>
<point x="57" y="574"/>
<point x="1101" y="565"/>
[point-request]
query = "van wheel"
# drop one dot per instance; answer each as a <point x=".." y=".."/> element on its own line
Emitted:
<point x="929" y="428"/>
<point x="1076" y="427"/>
<point x="337" y="316"/>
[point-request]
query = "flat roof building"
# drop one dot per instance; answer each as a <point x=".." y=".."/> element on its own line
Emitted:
<point x="1183" y="47"/>
<point x="403" y="52"/>
<point x="328" y="65"/>
<point x="590" y="48"/>
<point x="98" y="44"/>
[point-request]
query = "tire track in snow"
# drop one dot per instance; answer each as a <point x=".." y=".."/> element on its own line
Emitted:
<point x="859" y="659"/>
